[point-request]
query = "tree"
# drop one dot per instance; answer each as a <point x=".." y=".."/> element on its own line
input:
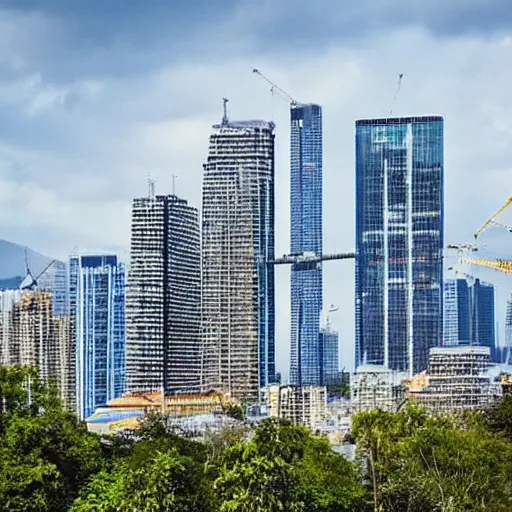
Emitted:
<point x="285" y="468"/>
<point x="168" y="482"/>
<point x="46" y="455"/>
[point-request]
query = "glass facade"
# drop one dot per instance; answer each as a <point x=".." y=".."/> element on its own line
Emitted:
<point x="399" y="241"/>
<point x="328" y="348"/>
<point x="306" y="236"/>
<point x="482" y="316"/>
<point x="97" y="298"/>
<point x="456" y="315"/>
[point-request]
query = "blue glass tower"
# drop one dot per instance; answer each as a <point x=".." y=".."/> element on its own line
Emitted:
<point x="306" y="236"/>
<point x="399" y="241"/>
<point x="457" y="313"/>
<point x="482" y="316"/>
<point x="97" y="298"/>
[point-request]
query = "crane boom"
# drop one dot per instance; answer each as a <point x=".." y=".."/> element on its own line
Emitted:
<point x="490" y="220"/>
<point x="504" y="266"/>
<point x="276" y="88"/>
<point x="291" y="259"/>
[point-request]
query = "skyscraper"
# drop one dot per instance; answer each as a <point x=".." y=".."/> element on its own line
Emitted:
<point x="97" y="295"/>
<point x="457" y="314"/>
<point x="238" y="242"/>
<point x="163" y="296"/>
<point x="306" y="236"/>
<point x="482" y="316"/>
<point x="399" y="241"/>
<point x="328" y="350"/>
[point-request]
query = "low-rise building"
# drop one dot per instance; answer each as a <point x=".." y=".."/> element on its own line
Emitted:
<point x="457" y="378"/>
<point x="376" y="387"/>
<point x="304" y="405"/>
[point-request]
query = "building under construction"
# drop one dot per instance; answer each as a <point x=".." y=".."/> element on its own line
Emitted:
<point x="376" y="387"/>
<point x="304" y="405"/>
<point x="458" y="378"/>
<point x="238" y="244"/>
<point x="32" y="336"/>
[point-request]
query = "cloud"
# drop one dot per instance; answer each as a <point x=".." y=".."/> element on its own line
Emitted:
<point x="86" y="120"/>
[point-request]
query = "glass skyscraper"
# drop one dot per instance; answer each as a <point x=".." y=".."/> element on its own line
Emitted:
<point x="457" y="313"/>
<point x="399" y="241"/>
<point x="482" y="316"/>
<point x="97" y="298"/>
<point x="306" y="237"/>
<point x="238" y="244"/>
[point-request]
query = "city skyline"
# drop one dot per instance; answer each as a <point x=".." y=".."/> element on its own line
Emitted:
<point x="64" y="101"/>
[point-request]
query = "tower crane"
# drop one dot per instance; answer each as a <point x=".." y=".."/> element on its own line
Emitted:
<point x="491" y="220"/>
<point x="33" y="283"/>
<point x="276" y="89"/>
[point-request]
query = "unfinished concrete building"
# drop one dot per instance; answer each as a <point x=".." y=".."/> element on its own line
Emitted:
<point x="238" y="242"/>
<point x="163" y="296"/>
<point x="304" y="405"/>
<point x="8" y="299"/>
<point x="458" y="378"/>
<point x="376" y="387"/>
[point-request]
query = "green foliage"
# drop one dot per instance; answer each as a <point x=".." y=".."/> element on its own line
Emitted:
<point x="339" y="390"/>
<point x="285" y="468"/>
<point x="498" y="418"/>
<point x="45" y="454"/>
<point x="416" y="463"/>
<point x="166" y="483"/>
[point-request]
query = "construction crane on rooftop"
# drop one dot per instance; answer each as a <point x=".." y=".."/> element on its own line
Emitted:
<point x="310" y="258"/>
<point x="276" y="89"/>
<point x="491" y="220"/>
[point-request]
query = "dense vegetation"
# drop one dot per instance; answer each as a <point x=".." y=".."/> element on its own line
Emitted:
<point x="406" y="461"/>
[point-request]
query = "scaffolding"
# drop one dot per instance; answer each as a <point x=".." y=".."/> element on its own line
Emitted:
<point x="238" y="243"/>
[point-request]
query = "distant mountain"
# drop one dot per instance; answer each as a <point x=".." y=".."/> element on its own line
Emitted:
<point x="12" y="262"/>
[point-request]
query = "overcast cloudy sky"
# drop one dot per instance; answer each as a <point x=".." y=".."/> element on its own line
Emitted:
<point x="96" y="94"/>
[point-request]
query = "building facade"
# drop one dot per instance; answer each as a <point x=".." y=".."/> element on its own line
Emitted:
<point x="303" y="405"/>
<point x="328" y="348"/>
<point x="97" y="298"/>
<point x="305" y="236"/>
<point x="457" y="312"/>
<point x="399" y="241"/>
<point x="163" y="296"/>
<point x="482" y="317"/>
<point x="238" y="244"/>
<point x="457" y="379"/>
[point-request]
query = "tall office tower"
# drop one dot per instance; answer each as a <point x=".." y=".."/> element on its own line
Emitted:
<point x="306" y="236"/>
<point x="163" y="296"/>
<point x="238" y="242"/>
<point x="328" y="355"/>
<point x="456" y="316"/>
<point x="399" y="241"/>
<point x="96" y="294"/>
<point x="482" y="316"/>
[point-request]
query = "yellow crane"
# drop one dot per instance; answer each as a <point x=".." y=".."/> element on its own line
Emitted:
<point x="504" y="266"/>
<point x="490" y="220"/>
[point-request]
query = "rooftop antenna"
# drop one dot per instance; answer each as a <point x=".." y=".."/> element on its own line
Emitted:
<point x="174" y="184"/>
<point x="151" y="187"/>
<point x="398" y="87"/>
<point x="225" y="117"/>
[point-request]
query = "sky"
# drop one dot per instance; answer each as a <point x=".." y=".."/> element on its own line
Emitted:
<point x="96" y="95"/>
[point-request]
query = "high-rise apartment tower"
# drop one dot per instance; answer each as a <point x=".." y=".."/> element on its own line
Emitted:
<point x="399" y="241"/>
<point x="306" y="236"/>
<point x="163" y="296"/>
<point x="97" y="297"/>
<point x="238" y="242"/>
